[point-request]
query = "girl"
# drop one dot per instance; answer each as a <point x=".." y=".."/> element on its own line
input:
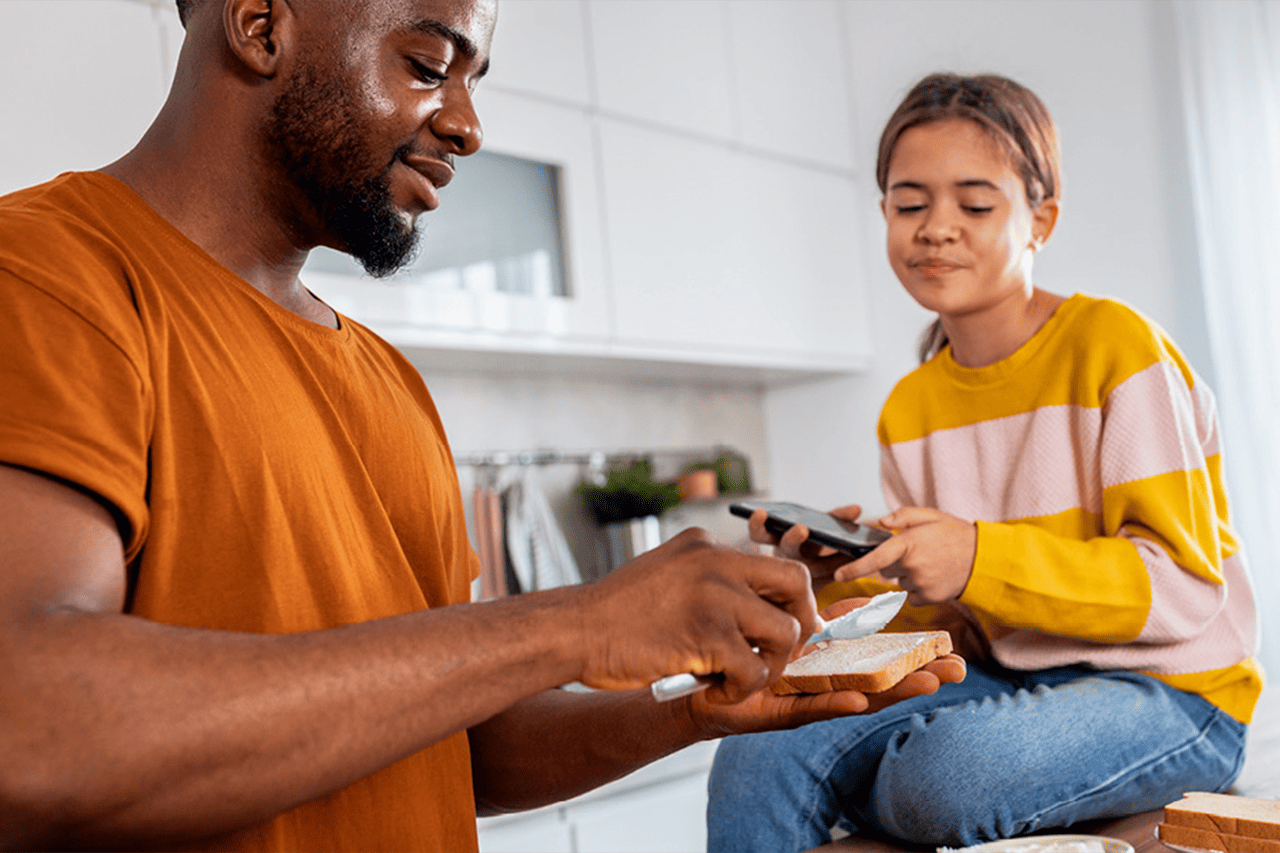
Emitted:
<point x="1055" y="478"/>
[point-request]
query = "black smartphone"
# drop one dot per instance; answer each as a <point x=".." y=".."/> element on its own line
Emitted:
<point x="847" y="537"/>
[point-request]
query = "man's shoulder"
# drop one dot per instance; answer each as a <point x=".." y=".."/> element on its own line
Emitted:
<point x="61" y="245"/>
<point x="57" y="223"/>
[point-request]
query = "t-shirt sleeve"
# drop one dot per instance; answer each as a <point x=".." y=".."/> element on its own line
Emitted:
<point x="76" y="406"/>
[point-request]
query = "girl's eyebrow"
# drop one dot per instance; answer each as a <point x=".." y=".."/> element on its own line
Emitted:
<point x="972" y="182"/>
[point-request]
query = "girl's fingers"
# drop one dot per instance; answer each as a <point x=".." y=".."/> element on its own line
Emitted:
<point x="885" y="555"/>
<point x="909" y="516"/>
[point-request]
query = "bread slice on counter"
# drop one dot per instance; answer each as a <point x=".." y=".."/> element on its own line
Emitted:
<point x="1222" y="822"/>
<point x="868" y="664"/>
<point x="1221" y="842"/>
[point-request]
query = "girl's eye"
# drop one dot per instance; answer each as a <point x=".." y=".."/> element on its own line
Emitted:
<point x="978" y="210"/>
<point x="910" y="208"/>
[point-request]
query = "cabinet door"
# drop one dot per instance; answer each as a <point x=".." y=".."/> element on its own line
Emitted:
<point x="789" y="74"/>
<point x="540" y="48"/>
<point x="731" y="256"/>
<point x="80" y="80"/>
<point x="664" y="61"/>
<point x="543" y="832"/>
<point x="670" y="817"/>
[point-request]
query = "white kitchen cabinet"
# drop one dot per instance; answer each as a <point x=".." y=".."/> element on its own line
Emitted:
<point x="540" y="48"/>
<point x="665" y="62"/>
<point x="661" y="808"/>
<point x="729" y="254"/>
<point x="789" y="75"/>
<point x="61" y="111"/>
<point x="667" y="817"/>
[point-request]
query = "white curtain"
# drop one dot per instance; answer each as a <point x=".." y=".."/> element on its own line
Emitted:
<point x="1230" y="64"/>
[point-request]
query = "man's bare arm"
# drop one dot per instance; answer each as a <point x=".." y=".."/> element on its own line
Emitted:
<point x="118" y="730"/>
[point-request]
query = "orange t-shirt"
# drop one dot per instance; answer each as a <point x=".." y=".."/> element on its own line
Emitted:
<point x="268" y="474"/>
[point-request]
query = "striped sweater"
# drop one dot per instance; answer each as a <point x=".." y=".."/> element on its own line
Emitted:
<point x="1090" y="462"/>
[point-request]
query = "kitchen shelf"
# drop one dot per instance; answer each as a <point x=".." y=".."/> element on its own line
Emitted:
<point x="508" y="354"/>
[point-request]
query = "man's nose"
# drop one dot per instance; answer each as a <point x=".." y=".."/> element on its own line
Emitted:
<point x="457" y="122"/>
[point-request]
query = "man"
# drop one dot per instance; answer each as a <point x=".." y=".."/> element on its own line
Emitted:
<point x="235" y="570"/>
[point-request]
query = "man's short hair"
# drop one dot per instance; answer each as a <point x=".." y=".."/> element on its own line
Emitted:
<point x="184" y="10"/>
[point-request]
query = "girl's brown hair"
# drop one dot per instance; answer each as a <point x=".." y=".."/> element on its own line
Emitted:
<point x="1011" y="115"/>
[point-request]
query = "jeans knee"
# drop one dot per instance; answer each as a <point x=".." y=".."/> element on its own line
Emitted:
<point x="931" y="789"/>
<point x="741" y="762"/>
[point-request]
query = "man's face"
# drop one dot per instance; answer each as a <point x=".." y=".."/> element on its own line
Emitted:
<point x="377" y="106"/>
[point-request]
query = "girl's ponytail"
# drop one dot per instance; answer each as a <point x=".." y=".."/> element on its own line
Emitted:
<point x="932" y="341"/>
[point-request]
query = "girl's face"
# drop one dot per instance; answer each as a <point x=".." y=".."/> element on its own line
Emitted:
<point x="961" y="235"/>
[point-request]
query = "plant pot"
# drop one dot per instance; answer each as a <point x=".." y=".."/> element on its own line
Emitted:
<point x="699" y="484"/>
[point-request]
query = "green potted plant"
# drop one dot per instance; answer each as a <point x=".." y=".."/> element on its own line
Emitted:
<point x="626" y="506"/>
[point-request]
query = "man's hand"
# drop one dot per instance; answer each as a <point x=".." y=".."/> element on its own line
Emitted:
<point x="692" y="605"/>
<point x="930" y="555"/>
<point x="764" y="711"/>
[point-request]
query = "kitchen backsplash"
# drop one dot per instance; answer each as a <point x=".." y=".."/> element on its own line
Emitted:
<point x="487" y="413"/>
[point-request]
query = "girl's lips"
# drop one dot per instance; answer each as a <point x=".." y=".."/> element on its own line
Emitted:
<point x="935" y="270"/>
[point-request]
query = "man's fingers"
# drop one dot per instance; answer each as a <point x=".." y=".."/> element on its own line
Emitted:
<point x="948" y="668"/>
<point x="839" y="608"/>
<point x="786" y="585"/>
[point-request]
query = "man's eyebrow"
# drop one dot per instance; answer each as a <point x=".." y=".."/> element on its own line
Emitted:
<point x="460" y="39"/>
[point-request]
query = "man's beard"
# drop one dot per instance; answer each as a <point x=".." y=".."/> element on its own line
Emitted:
<point x="313" y="132"/>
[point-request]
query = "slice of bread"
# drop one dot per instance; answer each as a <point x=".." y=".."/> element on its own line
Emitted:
<point x="1205" y="839"/>
<point x="1226" y="814"/>
<point x="869" y="664"/>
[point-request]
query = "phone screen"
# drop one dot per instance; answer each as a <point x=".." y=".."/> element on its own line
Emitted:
<point x="845" y="536"/>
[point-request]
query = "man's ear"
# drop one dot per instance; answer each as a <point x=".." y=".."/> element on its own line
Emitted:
<point x="254" y="31"/>
<point x="1043" y="220"/>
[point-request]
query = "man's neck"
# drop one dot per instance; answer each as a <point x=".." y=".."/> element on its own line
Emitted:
<point x="221" y="208"/>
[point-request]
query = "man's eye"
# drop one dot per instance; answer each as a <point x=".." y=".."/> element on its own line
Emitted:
<point x="426" y="74"/>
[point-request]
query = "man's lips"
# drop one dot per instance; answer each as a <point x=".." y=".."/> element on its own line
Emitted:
<point x="430" y="174"/>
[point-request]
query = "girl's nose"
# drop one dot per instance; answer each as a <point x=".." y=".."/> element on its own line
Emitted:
<point x="938" y="227"/>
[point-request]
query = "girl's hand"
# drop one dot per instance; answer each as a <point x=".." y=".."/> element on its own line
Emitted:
<point x="822" y="561"/>
<point x="930" y="555"/>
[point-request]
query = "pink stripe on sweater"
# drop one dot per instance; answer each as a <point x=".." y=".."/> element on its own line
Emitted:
<point x="1048" y="460"/>
<point x="1154" y="425"/>
<point x="1021" y="466"/>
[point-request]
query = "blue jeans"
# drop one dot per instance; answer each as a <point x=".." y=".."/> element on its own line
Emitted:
<point x="1000" y="754"/>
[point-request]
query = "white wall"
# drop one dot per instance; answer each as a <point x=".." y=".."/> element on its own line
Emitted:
<point x="1106" y="71"/>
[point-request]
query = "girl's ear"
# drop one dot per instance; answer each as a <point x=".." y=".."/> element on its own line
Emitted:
<point x="884" y="206"/>
<point x="1043" y="219"/>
